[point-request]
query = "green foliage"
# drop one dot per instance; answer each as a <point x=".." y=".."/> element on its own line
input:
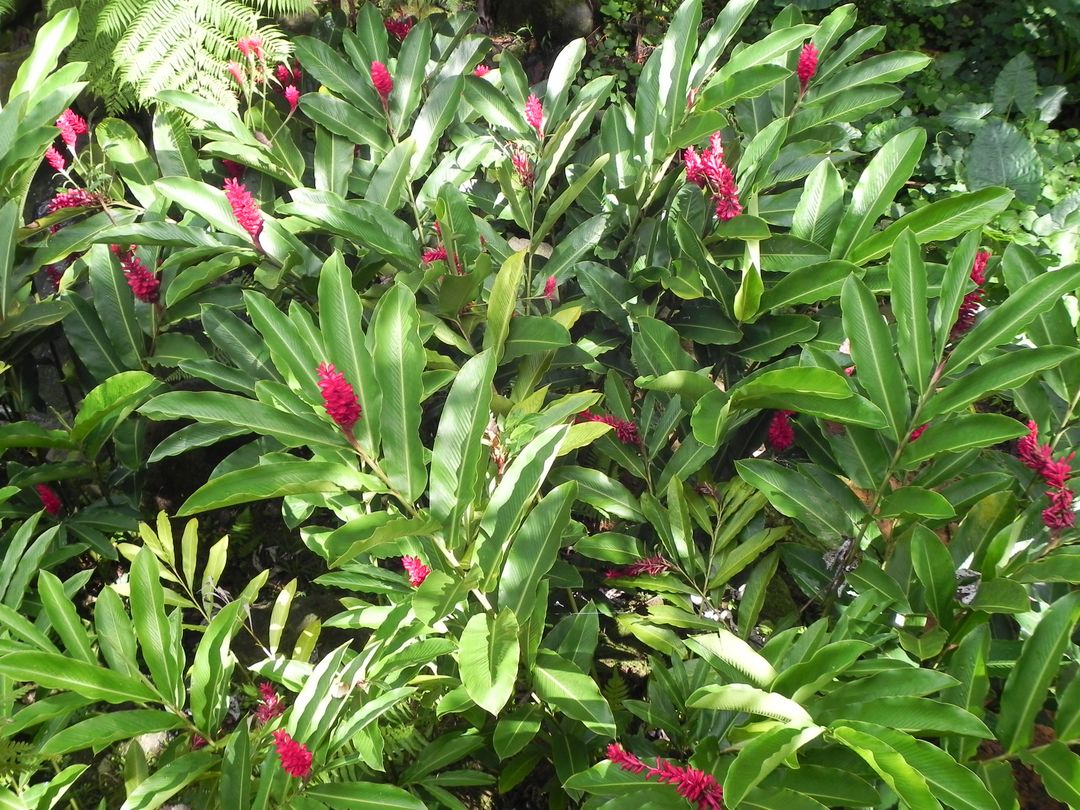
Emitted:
<point x="737" y="492"/>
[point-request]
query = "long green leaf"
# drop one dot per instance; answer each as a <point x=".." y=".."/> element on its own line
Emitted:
<point x="488" y="658"/>
<point x="907" y="284"/>
<point x="54" y="671"/>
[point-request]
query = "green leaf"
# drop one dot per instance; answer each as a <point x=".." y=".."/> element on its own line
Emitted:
<point x="488" y="659"/>
<point x="724" y="651"/>
<point x="399" y="360"/>
<point x="961" y="433"/>
<point x="1010" y="318"/>
<point x="575" y="246"/>
<point x="1040" y="658"/>
<point x="532" y="334"/>
<point x="364" y="796"/>
<point x="883" y="177"/>
<point x="749" y="83"/>
<point x="561" y="684"/>
<point x="107" y="405"/>
<point x="63" y="618"/>
<point x="656" y="349"/>
<point x="937" y="222"/>
<point x="796" y="495"/>
<point x="534" y="550"/>
<point x="502" y="301"/>
<point x="162" y="652"/>
<point x="277" y="480"/>
<point x="1016" y="84"/>
<point x="360" y="221"/>
<point x="514" y="730"/>
<point x="388" y="182"/>
<point x="954" y="284"/>
<point x="909" y="785"/>
<point x="915" y="501"/>
<point x="211" y="671"/>
<point x="435" y="116"/>
<point x="600" y="491"/>
<point x="51" y="40"/>
<point x="908" y="283"/>
<point x="341" y="321"/>
<point x="874" y="354"/>
<point x="809" y="285"/>
<point x="511" y="499"/>
<point x="54" y="671"/>
<point x="100" y="731"/>
<point x="741" y="697"/>
<point x="1059" y="768"/>
<point x="336" y="74"/>
<point x="1001" y="155"/>
<point x="456" y="458"/>
<point x="345" y="120"/>
<point x="1004" y="373"/>
<point x="203" y="201"/>
<point x="156" y="789"/>
<point x="880" y="69"/>
<point x="761" y="756"/>
<point x="409" y="74"/>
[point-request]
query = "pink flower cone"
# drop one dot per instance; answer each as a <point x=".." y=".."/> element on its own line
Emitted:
<point x="534" y="115"/>
<point x="807" y="65"/>
<point x="50" y="501"/>
<point x="292" y="95"/>
<point x="144" y="284"/>
<point x="339" y="398"/>
<point x="55" y="159"/>
<point x="71" y="126"/>
<point x="380" y="78"/>
<point x="270" y="704"/>
<point x="480" y="71"/>
<point x="244" y="208"/>
<point x="781" y="434"/>
<point x="295" y="757"/>
<point x="399" y="27"/>
<point x="416" y="570"/>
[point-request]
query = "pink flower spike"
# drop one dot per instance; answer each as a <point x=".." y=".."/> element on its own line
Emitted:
<point x="270" y="705"/>
<point x="480" y="71"/>
<point x="251" y="47"/>
<point x="237" y="73"/>
<point x="399" y="27"/>
<point x="618" y="755"/>
<point x="807" y="65"/>
<point x="534" y="115"/>
<point x="339" y="398"/>
<point x="383" y="83"/>
<point x="551" y="289"/>
<point x="144" y="284"/>
<point x="55" y="159"/>
<point x="781" y="434"/>
<point x="917" y="432"/>
<point x="1059" y="515"/>
<point x="416" y="570"/>
<point x="295" y="757"/>
<point x="523" y="167"/>
<point x="244" y="208"/>
<point x="50" y="501"/>
<point x="292" y="95"/>
<point x="432" y="255"/>
<point x="978" y="267"/>
<point x="71" y="126"/>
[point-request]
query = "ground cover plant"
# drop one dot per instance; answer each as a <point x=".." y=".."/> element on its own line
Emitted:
<point x="415" y="436"/>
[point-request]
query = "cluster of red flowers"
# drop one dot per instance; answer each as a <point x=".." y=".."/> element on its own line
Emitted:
<point x="251" y="47"/>
<point x="50" y="501"/>
<point x="440" y="254"/>
<point x="382" y="81"/>
<point x="551" y="289"/>
<point x="807" y="65"/>
<point x="781" y="434"/>
<point x="399" y="27"/>
<point x="534" y="115"/>
<point x="694" y="785"/>
<point x="416" y="570"/>
<point x="289" y="83"/>
<point x="480" y="71"/>
<point x="71" y="126"/>
<point x="55" y="159"/>
<point x="625" y="430"/>
<point x="1040" y="458"/>
<point x="295" y="757"/>
<point x="965" y="318"/>
<point x="69" y="198"/>
<point x="244" y="207"/>
<point x="339" y="398"/>
<point x="143" y="283"/>
<point x="653" y="566"/>
<point x="523" y="166"/>
<point x="707" y="170"/>
<point x="270" y="704"/>
<point x="917" y="432"/>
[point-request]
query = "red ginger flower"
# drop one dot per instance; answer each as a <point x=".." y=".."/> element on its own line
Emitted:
<point x="1059" y="515"/>
<point x="55" y="159"/>
<point x="144" y="284"/>
<point x="71" y="198"/>
<point x="380" y="78"/>
<point x="251" y="46"/>
<point x="270" y="705"/>
<point x="969" y="307"/>
<point x="416" y="570"/>
<point x="237" y="73"/>
<point x="807" y="65"/>
<point x="338" y="396"/>
<point x="523" y="167"/>
<point x="244" y="207"/>
<point x="1040" y="458"/>
<point x="534" y="115"/>
<point x="399" y="27"/>
<point x="551" y="289"/>
<point x="708" y="171"/>
<point x="295" y="758"/>
<point x="694" y="785"/>
<point x="71" y="126"/>
<point x="435" y="254"/>
<point x="480" y="71"/>
<point x="233" y="169"/>
<point x="917" y="432"/>
<point x="781" y="434"/>
<point x="287" y="76"/>
<point x="625" y="430"/>
<point x="50" y="501"/>
<point x="198" y="741"/>
<point x="653" y="566"/>
<point x="292" y="95"/>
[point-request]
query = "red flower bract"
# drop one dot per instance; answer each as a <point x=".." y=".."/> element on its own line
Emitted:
<point x="435" y="254"/>
<point x="295" y="758"/>
<point x="244" y="207"/>
<point x="416" y="570"/>
<point x="807" y="64"/>
<point x="694" y="785"/>
<point x="523" y="167"/>
<point x="339" y="397"/>
<point x="237" y="72"/>
<point x="917" y="432"/>
<point x="551" y="289"/>
<point x="50" y="501"/>
<point x="781" y="434"/>
<point x="969" y="307"/>
<point x="399" y="27"/>
<point x="144" y="284"/>
<point x="708" y="171"/>
<point x="380" y="78"/>
<point x="250" y="46"/>
<point x="55" y="159"/>
<point x="270" y="705"/>
<point x="292" y="95"/>
<point x="534" y="115"/>
<point x="653" y="566"/>
<point x="481" y="70"/>
<point x="71" y="126"/>
<point x="1055" y="473"/>
<point x="625" y="430"/>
